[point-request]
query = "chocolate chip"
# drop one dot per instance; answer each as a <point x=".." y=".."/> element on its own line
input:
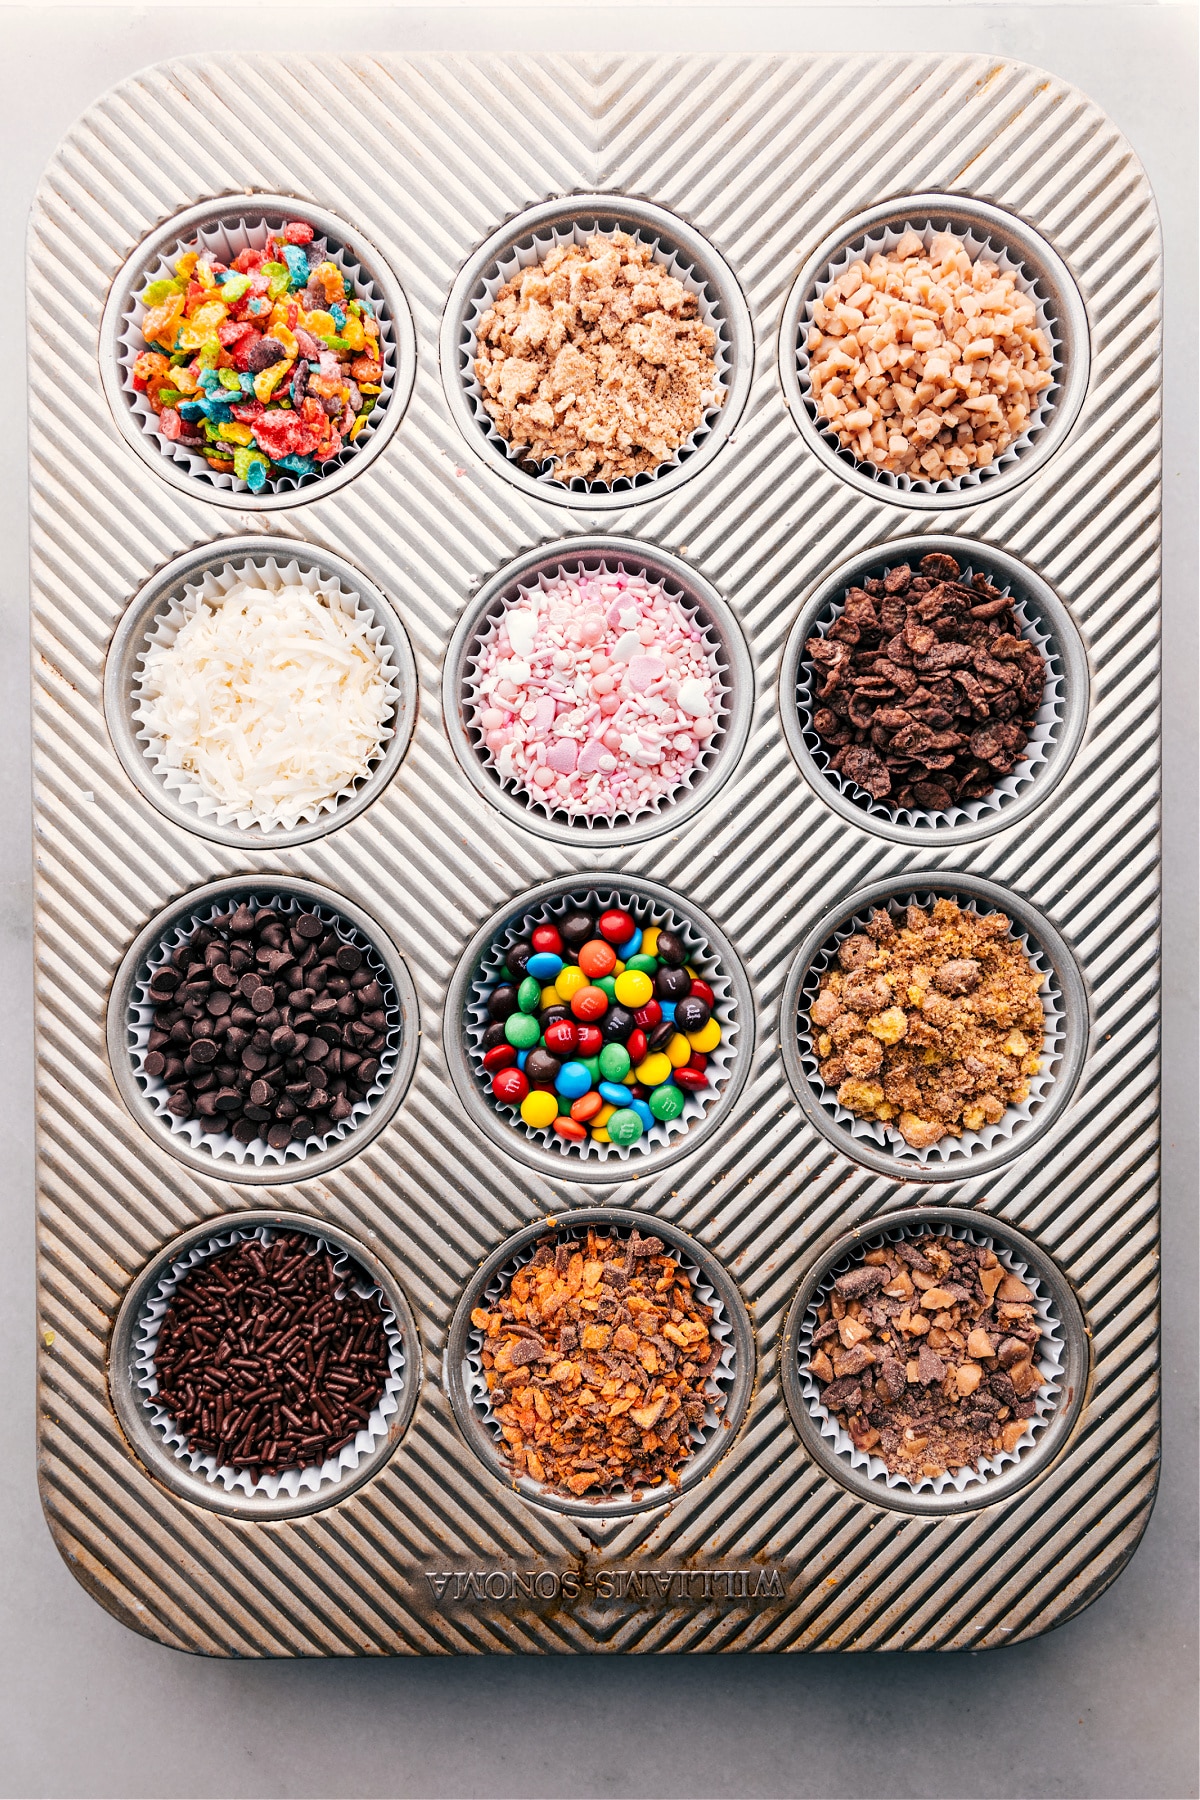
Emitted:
<point x="228" y="1028"/>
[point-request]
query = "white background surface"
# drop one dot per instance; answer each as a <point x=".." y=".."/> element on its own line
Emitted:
<point x="1103" y="1707"/>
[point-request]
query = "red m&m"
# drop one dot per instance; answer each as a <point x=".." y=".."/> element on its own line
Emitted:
<point x="616" y="926"/>
<point x="510" y="1086"/>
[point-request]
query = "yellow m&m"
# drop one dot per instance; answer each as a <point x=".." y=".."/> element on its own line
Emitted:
<point x="569" y="982"/>
<point x="705" y="1040"/>
<point x="654" y="1070"/>
<point x="539" y="1110"/>
<point x="633" y="988"/>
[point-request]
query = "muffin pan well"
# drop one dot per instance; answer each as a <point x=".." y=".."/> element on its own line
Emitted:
<point x="199" y="578"/>
<point x="1041" y="275"/>
<point x="226" y="225"/>
<point x="698" y="600"/>
<point x="1059" y="727"/>
<point x="775" y="1539"/>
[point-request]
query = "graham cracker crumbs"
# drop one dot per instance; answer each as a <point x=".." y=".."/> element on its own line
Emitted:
<point x="925" y="1355"/>
<point x="596" y="360"/>
<point x="935" y="1024"/>
<point x="598" y="1360"/>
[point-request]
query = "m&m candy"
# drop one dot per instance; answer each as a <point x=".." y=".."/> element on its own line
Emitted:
<point x="599" y="1030"/>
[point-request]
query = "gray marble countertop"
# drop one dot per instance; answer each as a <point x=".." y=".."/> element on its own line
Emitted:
<point x="1103" y="1707"/>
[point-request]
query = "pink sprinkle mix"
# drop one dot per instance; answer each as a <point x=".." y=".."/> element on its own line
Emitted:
<point x="595" y="694"/>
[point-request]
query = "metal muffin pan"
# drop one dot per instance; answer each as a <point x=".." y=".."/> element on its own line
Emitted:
<point x="845" y="1249"/>
<point x="591" y="553"/>
<point x="1049" y="621"/>
<point x="770" y="1550"/>
<point x="123" y="668"/>
<point x="123" y="1001"/>
<point x="276" y="210"/>
<point x="735" y="1384"/>
<point x="174" y="1472"/>
<point x="1053" y="285"/>
<point x="532" y="233"/>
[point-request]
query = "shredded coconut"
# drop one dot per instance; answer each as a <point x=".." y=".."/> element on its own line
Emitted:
<point x="273" y="700"/>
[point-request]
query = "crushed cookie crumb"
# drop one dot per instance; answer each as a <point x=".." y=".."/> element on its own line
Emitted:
<point x="597" y="361"/>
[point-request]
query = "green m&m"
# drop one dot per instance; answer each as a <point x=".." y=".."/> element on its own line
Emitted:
<point x="624" y="1127"/>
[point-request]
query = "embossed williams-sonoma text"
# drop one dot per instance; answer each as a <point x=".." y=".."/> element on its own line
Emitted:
<point x="661" y="1586"/>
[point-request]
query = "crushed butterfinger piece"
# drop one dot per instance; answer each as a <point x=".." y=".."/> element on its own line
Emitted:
<point x="605" y="1390"/>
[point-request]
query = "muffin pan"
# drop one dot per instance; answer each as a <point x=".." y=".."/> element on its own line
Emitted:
<point x="777" y="1538"/>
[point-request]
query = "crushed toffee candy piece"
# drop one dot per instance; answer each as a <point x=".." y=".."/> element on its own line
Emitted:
<point x="928" y="1397"/>
<point x="596" y="1382"/>
<point x="926" y="361"/>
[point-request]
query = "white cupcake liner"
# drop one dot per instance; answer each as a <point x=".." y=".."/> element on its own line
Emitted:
<point x="210" y="591"/>
<point x="884" y="1135"/>
<point x="644" y="912"/>
<point x="223" y="1146"/>
<point x="885" y="238"/>
<point x="1049" y="1363"/>
<point x="710" y="643"/>
<point x="525" y="256"/>
<point x="720" y="1329"/>
<point x="291" y="1482"/>
<point x="226" y="239"/>
<point x="1038" y="749"/>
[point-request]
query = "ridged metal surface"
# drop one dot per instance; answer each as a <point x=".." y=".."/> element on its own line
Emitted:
<point x="764" y="156"/>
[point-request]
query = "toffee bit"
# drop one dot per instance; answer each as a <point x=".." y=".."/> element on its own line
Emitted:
<point x="596" y="1394"/>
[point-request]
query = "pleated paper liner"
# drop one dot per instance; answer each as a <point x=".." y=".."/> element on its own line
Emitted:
<point x="645" y="911"/>
<point x="226" y="238"/>
<point x="1038" y="749"/>
<point x="527" y="255"/>
<point x="881" y="1135"/>
<point x="978" y="243"/>
<point x="721" y="1380"/>
<point x="718" y="660"/>
<point x="223" y="1147"/>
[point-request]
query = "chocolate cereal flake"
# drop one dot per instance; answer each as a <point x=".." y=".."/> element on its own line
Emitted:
<point x="924" y="690"/>
<point x="599" y="1361"/>
<point x="931" y="1368"/>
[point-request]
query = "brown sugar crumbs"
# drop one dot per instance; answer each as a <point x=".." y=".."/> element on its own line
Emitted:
<point x="935" y="1024"/>
<point x="925" y="1354"/>
<point x="597" y="361"/>
<point x="598" y="1360"/>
